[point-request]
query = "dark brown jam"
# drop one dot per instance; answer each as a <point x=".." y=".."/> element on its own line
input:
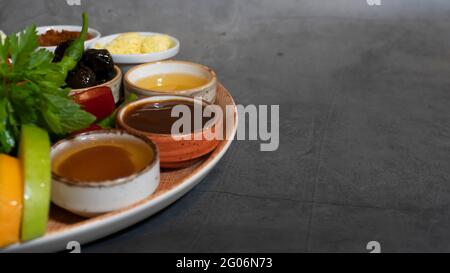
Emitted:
<point x="156" y="117"/>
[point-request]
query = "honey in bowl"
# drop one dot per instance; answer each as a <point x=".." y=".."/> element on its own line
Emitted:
<point x="171" y="82"/>
<point x="156" y="117"/>
<point x="102" y="160"/>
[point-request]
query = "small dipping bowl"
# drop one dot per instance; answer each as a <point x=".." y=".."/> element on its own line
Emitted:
<point x="206" y="91"/>
<point x="95" y="34"/>
<point x="115" y="84"/>
<point x="93" y="198"/>
<point x="127" y="61"/>
<point x="175" y="151"/>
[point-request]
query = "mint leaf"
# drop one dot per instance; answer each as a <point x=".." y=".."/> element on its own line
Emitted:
<point x="24" y="99"/>
<point x="70" y="114"/>
<point x="42" y="70"/>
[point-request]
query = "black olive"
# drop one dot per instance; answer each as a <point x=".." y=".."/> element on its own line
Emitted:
<point x="108" y="77"/>
<point x="101" y="62"/>
<point x="81" y="77"/>
<point x="60" y="50"/>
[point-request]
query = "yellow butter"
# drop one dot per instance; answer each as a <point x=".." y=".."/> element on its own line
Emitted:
<point x="156" y="43"/>
<point x="135" y="43"/>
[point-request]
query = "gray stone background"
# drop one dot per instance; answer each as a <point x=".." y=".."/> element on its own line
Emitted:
<point x="364" y="122"/>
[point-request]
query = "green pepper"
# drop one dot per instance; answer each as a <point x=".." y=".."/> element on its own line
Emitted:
<point x="110" y="121"/>
<point x="75" y="51"/>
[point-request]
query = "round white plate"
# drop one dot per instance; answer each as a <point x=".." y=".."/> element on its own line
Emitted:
<point x="87" y="230"/>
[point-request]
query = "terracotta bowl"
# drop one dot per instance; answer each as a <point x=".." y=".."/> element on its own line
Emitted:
<point x="175" y="151"/>
<point x="115" y="84"/>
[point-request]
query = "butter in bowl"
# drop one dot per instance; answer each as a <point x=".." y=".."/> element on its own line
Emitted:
<point x="133" y="48"/>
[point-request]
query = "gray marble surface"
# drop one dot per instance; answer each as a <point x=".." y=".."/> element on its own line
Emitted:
<point x="364" y="95"/>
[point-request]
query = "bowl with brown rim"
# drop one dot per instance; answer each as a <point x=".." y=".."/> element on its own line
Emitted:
<point x="205" y="91"/>
<point x="93" y="197"/>
<point x="176" y="149"/>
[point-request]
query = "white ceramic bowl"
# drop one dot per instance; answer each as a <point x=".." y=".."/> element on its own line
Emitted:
<point x="206" y="92"/>
<point x="126" y="61"/>
<point x="93" y="198"/>
<point x="115" y="84"/>
<point x="43" y="29"/>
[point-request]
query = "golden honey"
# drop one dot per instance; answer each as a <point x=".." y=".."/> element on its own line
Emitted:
<point x="170" y="82"/>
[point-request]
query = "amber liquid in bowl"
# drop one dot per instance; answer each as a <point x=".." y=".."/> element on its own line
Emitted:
<point x="102" y="160"/>
<point x="171" y="82"/>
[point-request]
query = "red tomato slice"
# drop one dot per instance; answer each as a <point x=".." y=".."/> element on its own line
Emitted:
<point x="98" y="101"/>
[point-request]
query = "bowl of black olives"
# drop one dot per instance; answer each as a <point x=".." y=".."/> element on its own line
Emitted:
<point x="96" y="68"/>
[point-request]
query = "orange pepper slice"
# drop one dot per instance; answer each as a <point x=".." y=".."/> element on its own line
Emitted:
<point x="11" y="195"/>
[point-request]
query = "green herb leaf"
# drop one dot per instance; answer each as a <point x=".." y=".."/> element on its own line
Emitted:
<point x="4" y="49"/>
<point x="22" y="45"/>
<point x="7" y="132"/>
<point x="70" y="114"/>
<point x="32" y="88"/>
